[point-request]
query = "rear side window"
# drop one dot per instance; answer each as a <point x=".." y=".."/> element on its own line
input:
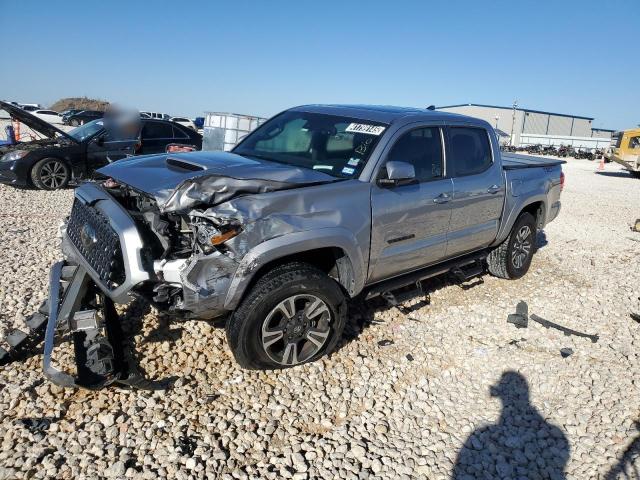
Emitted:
<point x="157" y="130"/>
<point x="422" y="148"/>
<point x="179" y="133"/>
<point x="469" y="152"/>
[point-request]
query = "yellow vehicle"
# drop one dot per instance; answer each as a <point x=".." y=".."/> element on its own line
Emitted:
<point x="625" y="150"/>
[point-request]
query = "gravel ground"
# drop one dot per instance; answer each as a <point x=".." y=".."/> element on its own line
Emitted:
<point x="456" y="392"/>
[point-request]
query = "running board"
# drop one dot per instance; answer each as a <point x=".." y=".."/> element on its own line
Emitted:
<point x="468" y="266"/>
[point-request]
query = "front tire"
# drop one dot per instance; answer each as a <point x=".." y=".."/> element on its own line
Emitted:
<point x="512" y="258"/>
<point x="50" y="174"/>
<point x="293" y="315"/>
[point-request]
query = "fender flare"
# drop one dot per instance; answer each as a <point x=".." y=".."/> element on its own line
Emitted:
<point x="294" y="243"/>
<point x="515" y="212"/>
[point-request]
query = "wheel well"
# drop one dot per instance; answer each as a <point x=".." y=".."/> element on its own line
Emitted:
<point x="331" y="260"/>
<point x="537" y="210"/>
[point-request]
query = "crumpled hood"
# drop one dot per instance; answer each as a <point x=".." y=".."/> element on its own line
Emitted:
<point x="182" y="181"/>
<point x="34" y="123"/>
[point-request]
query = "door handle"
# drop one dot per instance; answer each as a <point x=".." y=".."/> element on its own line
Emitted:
<point x="493" y="189"/>
<point x="442" y="198"/>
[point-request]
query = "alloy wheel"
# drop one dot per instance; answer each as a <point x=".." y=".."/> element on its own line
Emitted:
<point x="521" y="247"/>
<point x="53" y="174"/>
<point x="296" y="329"/>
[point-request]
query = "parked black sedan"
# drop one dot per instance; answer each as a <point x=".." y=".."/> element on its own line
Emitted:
<point x="80" y="117"/>
<point x="60" y="158"/>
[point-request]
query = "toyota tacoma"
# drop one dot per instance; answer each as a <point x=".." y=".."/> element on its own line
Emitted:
<point x="319" y="204"/>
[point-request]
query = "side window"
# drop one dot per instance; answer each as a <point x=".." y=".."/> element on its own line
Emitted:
<point x="157" y="130"/>
<point x="422" y="148"/>
<point x="634" y="142"/>
<point x="179" y="133"/>
<point x="470" y="151"/>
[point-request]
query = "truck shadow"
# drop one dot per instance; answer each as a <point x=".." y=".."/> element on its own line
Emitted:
<point x="541" y="240"/>
<point x="132" y="322"/>
<point x="362" y="312"/>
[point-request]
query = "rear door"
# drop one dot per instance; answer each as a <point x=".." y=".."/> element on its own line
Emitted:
<point x="410" y="222"/>
<point x="478" y="189"/>
<point x="156" y="135"/>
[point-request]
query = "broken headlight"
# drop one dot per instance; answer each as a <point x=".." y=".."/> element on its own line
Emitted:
<point x="12" y="156"/>
<point x="208" y="235"/>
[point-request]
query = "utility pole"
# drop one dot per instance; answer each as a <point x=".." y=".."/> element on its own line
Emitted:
<point x="513" y="121"/>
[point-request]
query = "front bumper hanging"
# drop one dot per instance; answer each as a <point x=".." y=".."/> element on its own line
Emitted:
<point x="79" y="309"/>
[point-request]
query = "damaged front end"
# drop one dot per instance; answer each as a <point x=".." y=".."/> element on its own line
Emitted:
<point x="118" y="245"/>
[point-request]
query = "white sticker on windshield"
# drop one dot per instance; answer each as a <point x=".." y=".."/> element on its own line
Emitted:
<point x="353" y="162"/>
<point x="348" y="171"/>
<point x="364" y="128"/>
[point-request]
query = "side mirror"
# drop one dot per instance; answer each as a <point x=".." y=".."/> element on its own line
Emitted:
<point x="397" y="173"/>
<point x="99" y="141"/>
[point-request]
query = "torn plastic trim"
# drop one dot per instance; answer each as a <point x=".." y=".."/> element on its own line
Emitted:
<point x="205" y="282"/>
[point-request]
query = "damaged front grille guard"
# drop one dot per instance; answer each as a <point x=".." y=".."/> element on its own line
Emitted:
<point x="97" y="341"/>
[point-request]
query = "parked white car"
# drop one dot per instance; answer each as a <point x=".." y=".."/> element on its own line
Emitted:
<point x="155" y="115"/>
<point x="185" y="122"/>
<point x="48" y="116"/>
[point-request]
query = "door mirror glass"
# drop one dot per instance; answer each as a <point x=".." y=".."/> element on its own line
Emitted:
<point x="397" y="172"/>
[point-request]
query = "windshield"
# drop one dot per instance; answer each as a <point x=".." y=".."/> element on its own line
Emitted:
<point x="87" y="130"/>
<point x="336" y="145"/>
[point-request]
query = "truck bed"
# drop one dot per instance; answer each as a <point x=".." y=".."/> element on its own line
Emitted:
<point x="514" y="161"/>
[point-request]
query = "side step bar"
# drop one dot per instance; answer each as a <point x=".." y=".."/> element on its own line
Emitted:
<point x="467" y="267"/>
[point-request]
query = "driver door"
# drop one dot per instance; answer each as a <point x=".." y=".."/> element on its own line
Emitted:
<point x="410" y="222"/>
<point x="101" y="151"/>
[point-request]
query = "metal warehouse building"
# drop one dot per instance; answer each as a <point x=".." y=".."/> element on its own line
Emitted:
<point x="531" y="127"/>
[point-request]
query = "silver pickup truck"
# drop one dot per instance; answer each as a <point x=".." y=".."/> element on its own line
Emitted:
<point x="319" y="204"/>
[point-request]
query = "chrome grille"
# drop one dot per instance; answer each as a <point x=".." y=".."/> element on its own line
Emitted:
<point x="90" y="232"/>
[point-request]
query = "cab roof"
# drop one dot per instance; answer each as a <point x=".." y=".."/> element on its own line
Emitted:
<point x="382" y="113"/>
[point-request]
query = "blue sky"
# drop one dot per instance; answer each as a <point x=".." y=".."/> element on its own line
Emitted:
<point x="183" y="58"/>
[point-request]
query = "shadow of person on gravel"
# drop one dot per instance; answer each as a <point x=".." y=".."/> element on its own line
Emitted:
<point x="521" y="444"/>
<point x="628" y="467"/>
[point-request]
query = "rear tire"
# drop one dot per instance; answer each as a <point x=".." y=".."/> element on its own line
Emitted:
<point x="512" y="258"/>
<point x="293" y="315"/>
<point x="50" y="174"/>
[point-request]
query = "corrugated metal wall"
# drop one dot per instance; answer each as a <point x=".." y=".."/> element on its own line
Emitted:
<point x="581" y="127"/>
<point x="559" y="125"/>
<point x="535" y="123"/>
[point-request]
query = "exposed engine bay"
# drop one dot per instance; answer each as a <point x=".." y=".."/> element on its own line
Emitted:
<point x="31" y="145"/>
<point x="175" y="246"/>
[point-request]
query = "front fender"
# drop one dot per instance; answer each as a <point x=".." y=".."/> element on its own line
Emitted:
<point x="291" y="244"/>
